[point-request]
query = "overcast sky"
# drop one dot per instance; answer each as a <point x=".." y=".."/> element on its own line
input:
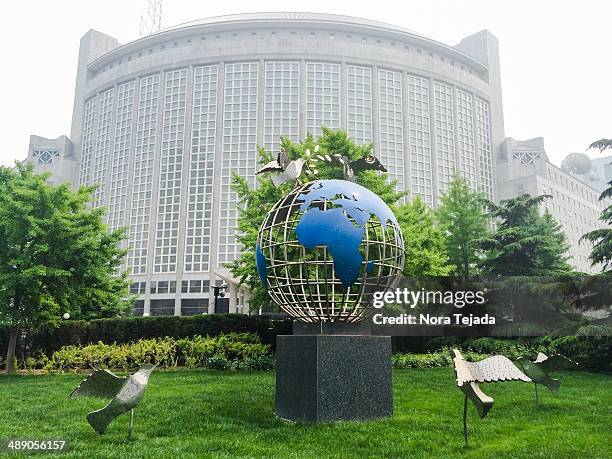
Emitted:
<point x="556" y="56"/>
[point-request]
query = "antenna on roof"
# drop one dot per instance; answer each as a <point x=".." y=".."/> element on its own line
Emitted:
<point x="150" y="22"/>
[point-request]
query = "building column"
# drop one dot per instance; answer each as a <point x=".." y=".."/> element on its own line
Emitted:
<point x="303" y="101"/>
<point x="406" y="136"/>
<point x="233" y="297"/>
<point x="375" y="112"/>
<point x="433" y="143"/>
<point x="214" y="229"/>
<point x="343" y="97"/>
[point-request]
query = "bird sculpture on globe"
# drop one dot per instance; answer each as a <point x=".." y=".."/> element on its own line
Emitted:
<point x="325" y="248"/>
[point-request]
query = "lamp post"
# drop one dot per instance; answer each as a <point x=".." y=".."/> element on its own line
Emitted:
<point x="219" y="291"/>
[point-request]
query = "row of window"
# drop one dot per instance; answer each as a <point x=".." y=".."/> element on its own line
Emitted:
<point x="572" y="184"/>
<point x="168" y="287"/>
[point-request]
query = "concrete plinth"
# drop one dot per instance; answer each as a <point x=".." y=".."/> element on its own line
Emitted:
<point x="333" y="377"/>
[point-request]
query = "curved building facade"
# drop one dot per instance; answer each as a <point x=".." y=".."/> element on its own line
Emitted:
<point x="161" y="124"/>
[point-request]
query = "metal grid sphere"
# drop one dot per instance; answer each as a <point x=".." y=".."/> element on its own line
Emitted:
<point x="303" y="281"/>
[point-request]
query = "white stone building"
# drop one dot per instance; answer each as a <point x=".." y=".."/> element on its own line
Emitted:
<point x="524" y="168"/>
<point x="162" y="122"/>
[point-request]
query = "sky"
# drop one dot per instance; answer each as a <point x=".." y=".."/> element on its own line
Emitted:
<point x="555" y="57"/>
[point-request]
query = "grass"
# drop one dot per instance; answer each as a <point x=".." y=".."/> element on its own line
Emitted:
<point x="222" y="414"/>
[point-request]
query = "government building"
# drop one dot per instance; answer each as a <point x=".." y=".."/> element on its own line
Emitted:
<point x="161" y="123"/>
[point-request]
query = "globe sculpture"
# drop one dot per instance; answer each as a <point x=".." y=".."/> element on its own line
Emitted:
<point x="325" y="248"/>
<point x="576" y="163"/>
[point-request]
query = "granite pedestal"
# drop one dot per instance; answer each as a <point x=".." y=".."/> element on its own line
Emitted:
<point x="333" y="377"/>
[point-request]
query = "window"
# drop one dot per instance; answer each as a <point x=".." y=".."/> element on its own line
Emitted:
<point x="193" y="306"/>
<point x="282" y="97"/>
<point x="45" y="156"/>
<point x="445" y="134"/>
<point x="527" y="157"/>
<point x="201" y="170"/>
<point x="195" y="286"/>
<point x="138" y="288"/>
<point x="465" y="135"/>
<point x="239" y="148"/>
<point x="359" y="103"/>
<point x="170" y="173"/>
<point x="420" y="139"/>
<point x="142" y="182"/>
<point x="322" y="96"/>
<point x="103" y="144"/>
<point x="117" y="199"/>
<point x="391" y="125"/>
<point x="87" y="141"/>
<point x="483" y="139"/>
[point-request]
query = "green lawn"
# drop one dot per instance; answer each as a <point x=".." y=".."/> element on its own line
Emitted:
<point x="212" y="414"/>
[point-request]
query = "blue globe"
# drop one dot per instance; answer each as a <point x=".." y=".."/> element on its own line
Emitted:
<point x="325" y="248"/>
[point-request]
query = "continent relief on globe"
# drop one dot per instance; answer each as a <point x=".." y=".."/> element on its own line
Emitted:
<point x="333" y="229"/>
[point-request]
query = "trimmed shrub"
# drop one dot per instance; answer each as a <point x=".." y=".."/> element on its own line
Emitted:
<point x="243" y="351"/>
<point x="492" y="346"/>
<point x="443" y="342"/>
<point x="590" y="352"/>
<point x="441" y="358"/>
<point x="122" y="330"/>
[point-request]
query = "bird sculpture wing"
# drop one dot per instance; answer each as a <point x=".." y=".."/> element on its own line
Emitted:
<point x="491" y="369"/>
<point x="556" y="362"/>
<point x="272" y="166"/>
<point x="497" y="368"/>
<point x="101" y="383"/>
<point x="537" y="375"/>
<point x="291" y="172"/>
<point x="540" y="357"/>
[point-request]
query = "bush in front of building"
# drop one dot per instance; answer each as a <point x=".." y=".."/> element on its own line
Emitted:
<point x="232" y="351"/>
<point x="590" y="352"/>
<point x="122" y="330"/>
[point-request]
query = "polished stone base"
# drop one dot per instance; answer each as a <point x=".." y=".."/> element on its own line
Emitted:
<point x="333" y="377"/>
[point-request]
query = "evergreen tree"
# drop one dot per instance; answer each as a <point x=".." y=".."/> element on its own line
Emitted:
<point x="601" y="253"/>
<point x="56" y="256"/>
<point x="463" y="221"/>
<point x="525" y="243"/>
<point x="255" y="204"/>
<point x="424" y="242"/>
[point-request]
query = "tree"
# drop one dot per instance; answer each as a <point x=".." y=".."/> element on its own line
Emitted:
<point x="463" y="221"/>
<point x="424" y="242"/>
<point x="525" y="243"/>
<point x="254" y="204"/>
<point x="56" y="256"/>
<point x="601" y="238"/>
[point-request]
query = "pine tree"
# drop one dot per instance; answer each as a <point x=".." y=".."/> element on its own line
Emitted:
<point x="463" y="221"/>
<point x="601" y="253"/>
<point x="525" y="243"/>
<point x="424" y="242"/>
<point x="56" y="256"/>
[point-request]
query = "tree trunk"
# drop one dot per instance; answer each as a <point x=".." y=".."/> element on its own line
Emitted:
<point x="10" y="355"/>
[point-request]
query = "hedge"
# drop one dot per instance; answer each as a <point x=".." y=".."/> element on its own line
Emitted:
<point x="235" y="351"/>
<point x="594" y="353"/>
<point x="122" y="330"/>
<point x="590" y="352"/>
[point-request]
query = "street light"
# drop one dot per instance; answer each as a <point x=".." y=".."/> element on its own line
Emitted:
<point x="219" y="291"/>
